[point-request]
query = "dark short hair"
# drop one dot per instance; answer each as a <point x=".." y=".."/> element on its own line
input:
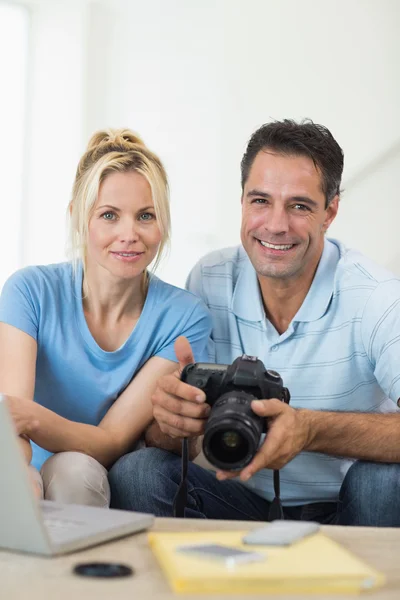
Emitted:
<point x="304" y="138"/>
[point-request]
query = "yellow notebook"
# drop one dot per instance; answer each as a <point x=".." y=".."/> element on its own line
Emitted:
<point x="314" y="565"/>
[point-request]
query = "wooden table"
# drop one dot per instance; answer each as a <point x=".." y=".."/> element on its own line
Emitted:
<point x="27" y="577"/>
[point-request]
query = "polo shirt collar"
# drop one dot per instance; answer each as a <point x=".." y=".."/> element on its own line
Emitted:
<point x="247" y="302"/>
<point x="320" y="293"/>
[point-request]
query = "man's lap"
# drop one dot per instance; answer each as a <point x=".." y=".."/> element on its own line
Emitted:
<point x="147" y="481"/>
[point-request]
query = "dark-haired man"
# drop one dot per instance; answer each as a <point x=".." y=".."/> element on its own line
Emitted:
<point x="326" y="318"/>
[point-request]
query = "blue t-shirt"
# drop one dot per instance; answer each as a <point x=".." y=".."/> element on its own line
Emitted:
<point x="75" y="378"/>
<point x="339" y="353"/>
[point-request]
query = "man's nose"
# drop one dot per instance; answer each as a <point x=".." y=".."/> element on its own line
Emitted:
<point x="277" y="220"/>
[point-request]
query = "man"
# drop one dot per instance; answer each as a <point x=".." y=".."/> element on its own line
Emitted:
<point x="326" y="318"/>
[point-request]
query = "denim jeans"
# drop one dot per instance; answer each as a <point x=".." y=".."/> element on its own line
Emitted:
<point x="147" y="480"/>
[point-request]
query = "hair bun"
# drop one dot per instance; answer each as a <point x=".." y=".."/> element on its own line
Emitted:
<point x="119" y="137"/>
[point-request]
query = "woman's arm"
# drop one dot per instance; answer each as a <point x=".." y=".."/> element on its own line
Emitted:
<point x="17" y="376"/>
<point x="115" y="435"/>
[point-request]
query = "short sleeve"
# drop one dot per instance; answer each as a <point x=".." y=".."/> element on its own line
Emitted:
<point x="194" y="284"/>
<point x="380" y="327"/>
<point x="196" y="328"/>
<point x="19" y="302"/>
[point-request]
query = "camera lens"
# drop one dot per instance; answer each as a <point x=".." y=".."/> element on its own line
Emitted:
<point x="233" y="432"/>
<point x="227" y="448"/>
<point x="231" y="439"/>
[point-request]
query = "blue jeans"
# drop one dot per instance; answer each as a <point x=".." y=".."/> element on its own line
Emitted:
<point x="147" y="481"/>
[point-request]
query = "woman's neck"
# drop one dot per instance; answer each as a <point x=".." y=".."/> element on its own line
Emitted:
<point x="107" y="298"/>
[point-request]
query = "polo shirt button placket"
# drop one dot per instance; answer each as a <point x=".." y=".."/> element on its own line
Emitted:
<point x="274" y="348"/>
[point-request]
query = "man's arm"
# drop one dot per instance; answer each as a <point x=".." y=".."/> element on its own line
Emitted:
<point x="366" y="436"/>
<point x="374" y="437"/>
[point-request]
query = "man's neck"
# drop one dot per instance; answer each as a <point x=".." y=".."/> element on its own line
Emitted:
<point x="283" y="298"/>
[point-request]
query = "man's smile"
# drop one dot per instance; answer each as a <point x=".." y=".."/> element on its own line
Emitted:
<point x="276" y="249"/>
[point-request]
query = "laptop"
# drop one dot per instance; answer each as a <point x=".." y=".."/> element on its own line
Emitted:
<point x="44" y="527"/>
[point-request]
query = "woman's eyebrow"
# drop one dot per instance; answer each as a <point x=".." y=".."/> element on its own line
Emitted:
<point x="108" y="206"/>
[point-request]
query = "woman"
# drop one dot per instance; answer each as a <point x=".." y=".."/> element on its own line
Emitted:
<point x="88" y="339"/>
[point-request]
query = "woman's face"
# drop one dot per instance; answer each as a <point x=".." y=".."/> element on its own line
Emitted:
<point x="124" y="235"/>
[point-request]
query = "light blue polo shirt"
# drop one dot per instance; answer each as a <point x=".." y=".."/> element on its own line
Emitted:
<point x="341" y="352"/>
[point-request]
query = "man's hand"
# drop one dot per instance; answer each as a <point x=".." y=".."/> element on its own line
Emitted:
<point x="21" y="412"/>
<point x="288" y="434"/>
<point x="180" y="409"/>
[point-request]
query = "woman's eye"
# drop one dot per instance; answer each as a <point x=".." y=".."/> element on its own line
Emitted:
<point x="108" y="216"/>
<point x="146" y="217"/>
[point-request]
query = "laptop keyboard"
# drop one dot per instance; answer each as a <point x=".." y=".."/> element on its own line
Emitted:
<point x="55" y="522"/>
<point x="61" y="525"/>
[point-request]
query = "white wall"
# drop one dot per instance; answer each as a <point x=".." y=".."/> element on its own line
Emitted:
<point x="14" y="27"/>
<point x="55" y="124"/>
<point x="195" y="79"/>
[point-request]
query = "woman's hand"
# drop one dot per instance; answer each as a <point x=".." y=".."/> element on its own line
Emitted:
<point x="22" y="414"/>
<point x="36" y="482"/>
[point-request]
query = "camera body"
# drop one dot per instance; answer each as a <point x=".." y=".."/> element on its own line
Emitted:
<point x="233" y="431"/>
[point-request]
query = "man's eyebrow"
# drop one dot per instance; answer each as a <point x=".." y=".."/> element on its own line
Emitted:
<point x="304" y="199"/>
<point x="258" y="193"/>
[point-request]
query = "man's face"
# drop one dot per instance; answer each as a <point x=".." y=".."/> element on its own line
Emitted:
<point x="283" y="215"/>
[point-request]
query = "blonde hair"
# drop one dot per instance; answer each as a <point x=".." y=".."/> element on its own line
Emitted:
<point x="115" y="151"/>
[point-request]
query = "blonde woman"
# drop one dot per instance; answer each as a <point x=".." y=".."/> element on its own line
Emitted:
<point x="83" y="343"/>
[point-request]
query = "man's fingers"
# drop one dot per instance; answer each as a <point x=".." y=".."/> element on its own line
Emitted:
<point x="177" y="406"/>
<point x="183" y="351"/>
<point x="268" y="408"/>
<point x="265" y="456"/>
<point x="189" y="427"/>
<point x="225" y="475"/>
<point x="171" y="384"/>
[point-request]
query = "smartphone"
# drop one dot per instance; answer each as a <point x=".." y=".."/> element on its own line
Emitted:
<point x="230" y="556"/>
<point x="281" y="533"/>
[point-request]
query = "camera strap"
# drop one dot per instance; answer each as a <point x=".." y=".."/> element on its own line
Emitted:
<point x="275" y="510"/>
<point x="180" y="500"/>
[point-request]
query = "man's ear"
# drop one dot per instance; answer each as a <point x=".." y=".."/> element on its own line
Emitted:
<point x="331" y="212"/>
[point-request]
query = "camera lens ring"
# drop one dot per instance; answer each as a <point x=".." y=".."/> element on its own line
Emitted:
<point x="212" y="443"/>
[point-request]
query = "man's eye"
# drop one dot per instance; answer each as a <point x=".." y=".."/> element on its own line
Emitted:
<point x="259" y="201"/>
<point x="146" y="217"/>
<point x="108" y="216"/>
<point x="300" y="207"/>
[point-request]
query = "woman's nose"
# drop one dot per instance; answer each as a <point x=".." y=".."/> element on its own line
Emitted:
<point x="129" y="232"/>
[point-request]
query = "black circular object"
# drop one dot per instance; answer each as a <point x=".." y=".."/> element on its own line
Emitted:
<point x="104" y="569"/>
<point x="273" y="374"/>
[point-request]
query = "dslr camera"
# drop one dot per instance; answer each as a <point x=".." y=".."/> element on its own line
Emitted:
<point x="233" y="431"/>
